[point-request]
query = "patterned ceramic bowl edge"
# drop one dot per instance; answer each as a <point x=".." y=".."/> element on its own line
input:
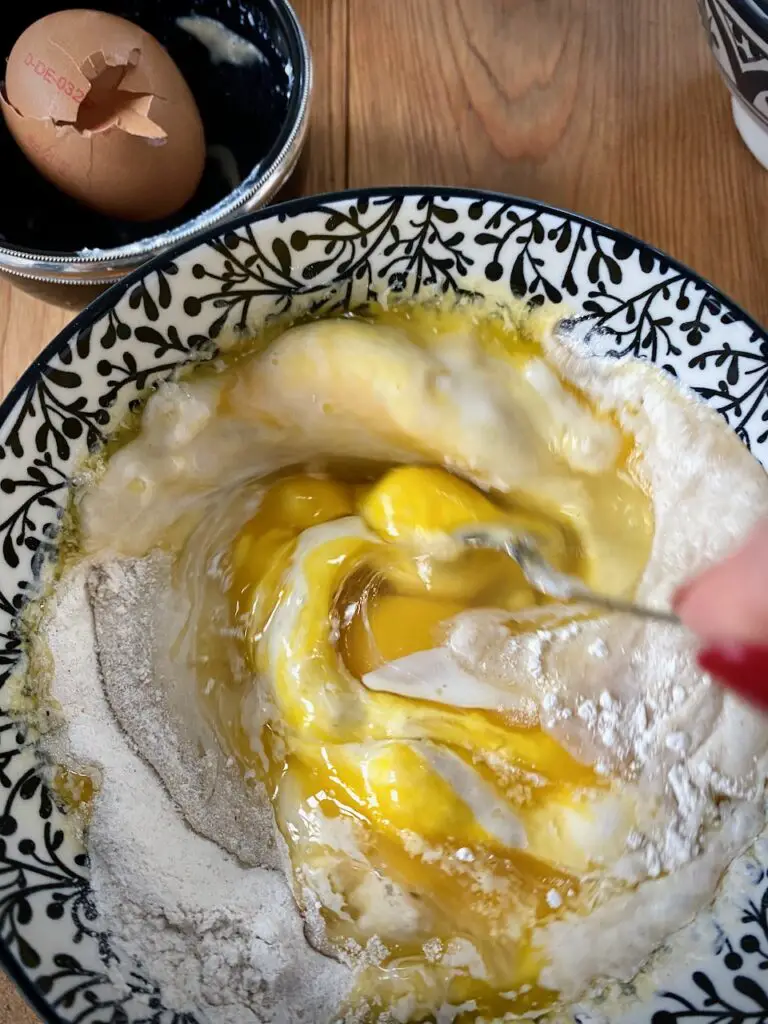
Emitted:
<point x="324" y="254"/>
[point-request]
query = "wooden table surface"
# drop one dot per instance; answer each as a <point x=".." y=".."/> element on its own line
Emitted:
<point x="608" y="107"/>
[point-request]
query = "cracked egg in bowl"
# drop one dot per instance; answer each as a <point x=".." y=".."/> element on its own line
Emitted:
<point x="329" y="767"/>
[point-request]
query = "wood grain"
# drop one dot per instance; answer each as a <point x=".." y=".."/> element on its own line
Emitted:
<point x="323" y="167"/>
<point x="613" y="109"/>
<point x="14" y="1009"/>
<point x="26" y="327"/>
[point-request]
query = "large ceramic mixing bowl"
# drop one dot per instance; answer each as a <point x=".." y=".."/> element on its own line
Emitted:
<point x="326" y="254"/>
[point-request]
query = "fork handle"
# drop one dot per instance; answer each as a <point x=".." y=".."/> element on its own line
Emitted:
<point x="615" y="604"/>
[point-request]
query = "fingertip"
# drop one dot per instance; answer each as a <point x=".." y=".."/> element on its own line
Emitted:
<point x="742" y="668"/>
<point x="680" y="595"/>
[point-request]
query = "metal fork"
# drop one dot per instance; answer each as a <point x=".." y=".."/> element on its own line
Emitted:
<point x="542" y="576"/>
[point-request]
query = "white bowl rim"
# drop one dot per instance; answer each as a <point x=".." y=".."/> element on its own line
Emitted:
<point x="305" y="204"/>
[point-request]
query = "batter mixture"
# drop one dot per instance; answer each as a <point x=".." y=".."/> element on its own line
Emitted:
<point x="483" y="802"/>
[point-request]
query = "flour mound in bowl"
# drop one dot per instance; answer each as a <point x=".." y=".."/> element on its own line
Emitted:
<point x="417" y="787"/>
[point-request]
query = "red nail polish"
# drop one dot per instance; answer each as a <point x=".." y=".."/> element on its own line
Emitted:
<point x="741" y="667"/>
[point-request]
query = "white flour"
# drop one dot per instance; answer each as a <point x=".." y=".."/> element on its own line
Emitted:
<point x="223" y="941"/>
<point x="627" y="694"/>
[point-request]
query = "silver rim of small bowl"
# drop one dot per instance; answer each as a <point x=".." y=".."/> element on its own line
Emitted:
<point x="106" y="266"/>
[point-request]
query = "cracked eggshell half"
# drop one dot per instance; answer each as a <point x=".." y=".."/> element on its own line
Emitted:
<point x="101" y="110"/>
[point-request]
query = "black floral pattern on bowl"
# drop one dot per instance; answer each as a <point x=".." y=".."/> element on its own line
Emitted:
<point x="321" y="255"/>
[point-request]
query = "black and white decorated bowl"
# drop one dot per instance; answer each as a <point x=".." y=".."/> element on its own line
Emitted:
<point x="325" y="254"/>
<point x="738" y="38"/>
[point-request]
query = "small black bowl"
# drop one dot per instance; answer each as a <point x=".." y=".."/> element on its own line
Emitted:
<point x="254" y="117"/>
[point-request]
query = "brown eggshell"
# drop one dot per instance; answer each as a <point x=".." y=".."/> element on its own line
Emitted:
<point x="101" y="110"/>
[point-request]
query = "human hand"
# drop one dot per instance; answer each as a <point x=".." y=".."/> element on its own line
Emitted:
<point x="727" y="607"/>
